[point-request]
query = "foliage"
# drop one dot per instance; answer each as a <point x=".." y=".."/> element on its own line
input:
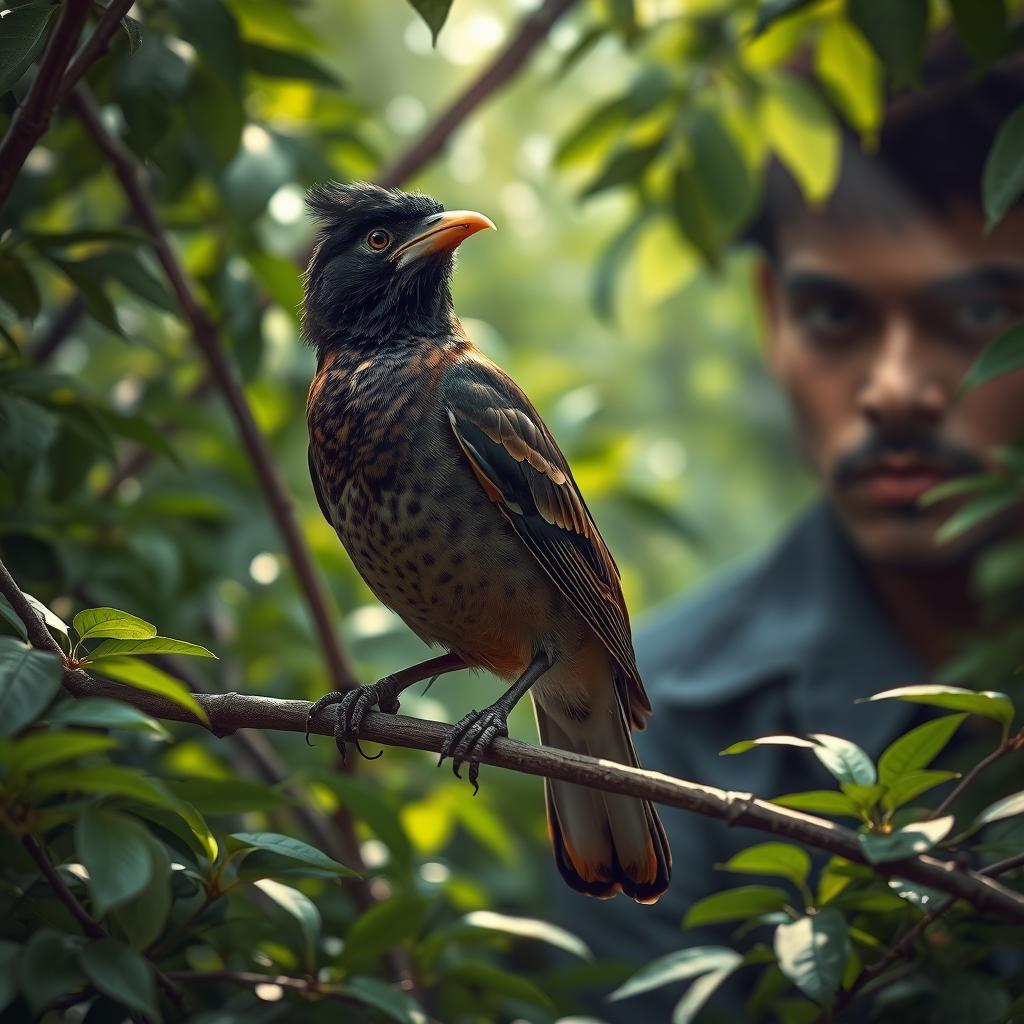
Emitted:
<point x="122" y="483"/>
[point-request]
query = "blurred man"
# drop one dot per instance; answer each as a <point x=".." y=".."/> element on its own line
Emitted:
<point x="874" y="308"/>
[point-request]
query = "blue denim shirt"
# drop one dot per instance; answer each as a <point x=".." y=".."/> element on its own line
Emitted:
<point x="785" y="644"/>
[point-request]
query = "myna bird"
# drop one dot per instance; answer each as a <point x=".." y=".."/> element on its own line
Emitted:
<point x="461" y="513"/>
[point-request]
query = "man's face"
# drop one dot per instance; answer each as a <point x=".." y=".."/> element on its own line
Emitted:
<point x="871" y="330"/>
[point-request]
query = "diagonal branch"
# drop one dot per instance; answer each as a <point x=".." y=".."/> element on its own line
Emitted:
<point x="32" y="118"/>
<point x="207" y="336"/>
<point x="531" y="33"/>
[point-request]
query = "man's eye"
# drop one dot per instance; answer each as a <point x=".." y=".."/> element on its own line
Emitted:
<point x="378" y="239"/>
<point x="983" y="314"/>
<point x="826" y="317"/>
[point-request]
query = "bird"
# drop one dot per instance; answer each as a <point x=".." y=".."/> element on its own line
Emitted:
<point x="459" y="510"/>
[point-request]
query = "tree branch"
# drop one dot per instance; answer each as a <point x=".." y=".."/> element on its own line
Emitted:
<point x="95" y="46"/>
<point x="207" y="336"/>
<point x="532" y="31"/>
<point x="1008" y="745"/>
<point x="229" y="712"/>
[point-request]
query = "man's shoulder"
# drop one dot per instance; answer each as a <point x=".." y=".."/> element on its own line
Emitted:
<point x="746" y="625"/>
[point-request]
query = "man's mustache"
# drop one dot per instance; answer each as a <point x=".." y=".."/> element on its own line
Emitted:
<point x="929" y="449"/>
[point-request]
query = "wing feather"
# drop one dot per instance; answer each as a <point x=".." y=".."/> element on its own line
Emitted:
<point x="522" y="470"/>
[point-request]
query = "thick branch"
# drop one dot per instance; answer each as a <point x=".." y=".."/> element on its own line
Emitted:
<point x="207" y="337"/>
<point x="32" y="118"/>
<point x="532" y="32"/>
<point x="232" y="711"/>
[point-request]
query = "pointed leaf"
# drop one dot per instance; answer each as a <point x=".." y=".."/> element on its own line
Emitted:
<point x="912" y="785"/>
<point x="302" y="908"/>
<point x="95" y="622"/>
<point x="678" y="966"/>
<point x="1008" y="807"/>
<point x="529" y="928"/>
<point x="22" y="38"/>
<point x="1003" y="355"/>
<point x="115" y="850"/>
<point x="395" y="1005"/>
<point x="987" y="703"/>
<point x="144" y="676"/>
<point x="820" y="801"/>
<point x="29" y="680"/>
<point x="12" y="618"/>
<point x="735" y="905"/>
<point x="1003" y="181"/>
<point x="48" y="968"/>
<point x="782" y="859"/>
<point x="698" y="994"/>
<point x="905" y="842"/>
<point x="122" y="974"/>
<point x="103" y="713"/>
<point x="382" y="926"/>
<point x="155" y="645"/>
<point x="41" y="749"/>
<point x="292" y="849"/>
<point x="51" y="619"/>
<point x="897" y="31"/>
<point x="768" y="741"/>
<point x="845" y="760"/>
<point x="917" y="748"/>
<point x="812" y="953"/>
<point x="142" y="918"/>
<point x="434" y="13"/>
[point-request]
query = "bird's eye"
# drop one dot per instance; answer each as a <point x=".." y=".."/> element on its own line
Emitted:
<point x="378" y="239"/>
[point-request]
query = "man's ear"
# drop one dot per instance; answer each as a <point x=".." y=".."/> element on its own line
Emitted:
<point x="768" y="300"/>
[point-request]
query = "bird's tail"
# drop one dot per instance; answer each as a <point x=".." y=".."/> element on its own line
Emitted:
<point x="604" y="843"/>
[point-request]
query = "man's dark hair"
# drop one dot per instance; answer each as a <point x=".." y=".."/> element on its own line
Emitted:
<point x="931" y="148"/>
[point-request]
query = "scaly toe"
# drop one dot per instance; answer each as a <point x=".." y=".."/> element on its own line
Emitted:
<point x="334" y="697"/>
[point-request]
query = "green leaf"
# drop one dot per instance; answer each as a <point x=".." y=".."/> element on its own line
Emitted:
<point x="394" y="1004"/>
<point x="97" y="301"/>
<point x="912" y="785"/>
<point x="143" y="676"/>
<point x="29" y="680"/>
<point x="528" y="928"/>
<point x="302" y="908"/>
<point x="981" y="26"/>
<point x="897" y="31"/>
<point x="48" y="968"/>
<point x="812" y="953"/>
<point x="819" y="801"/>
<point x="384" y="925"/>
<point x="142" y="918"/>
<point x="129" y="270"/>
<point x="265" y="60"/>
<point x="154" y="645"/>
<point x="720" y="170"/>
<point x="1003" y="355"/>
<point x="22" y="38"/>
<point x="122" y="974"/>
<point x="54" y="621"/>
<point x="491" y="984"/>
<point x="782" y="859"/>
<point x="851" y="72"/>
<point x="917" y="748"/>
<point x="133" y="29"/>
<point x="12" y="618"/>
<point x="771" y="11"/>
<point x="40" y="750"/>
<point x="624" y="167"/>
<point x="693" y="214"/>
<point x="212" y="29"/>
<point x="94" y="622"/>
<point x="1003" y="180"/>
<point x="434" y="13"/>
<point x="678" y="966"/>
<point x="9" y="954"/>
<point x="17" y="285"/>
<point x="698" y="994"/>
<point x="226" y="796"/>
<point x="803" y="132"/>
<point x="864" y="797"/>
<point x="1008" y="807"/>
<point x="987" y="703"/>
<point x="768" y="741"/>
<point x="291" y="849"/>
<point x="845" y="760"/>
<point x="368" y="805"/>
<point x="735" y="905"/>
<point x="103" y="713"/>
<point x="918" y="895"/>
<point x="114" y="848"/>
<point x="905" y="842"/>
<point x="27" y="432"/>
<point x="976" y="511"/>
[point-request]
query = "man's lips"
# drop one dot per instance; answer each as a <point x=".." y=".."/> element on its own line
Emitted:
<point x="900" y="481"/>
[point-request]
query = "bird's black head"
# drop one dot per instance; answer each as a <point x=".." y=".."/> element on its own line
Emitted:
<point x="381" y="268"/>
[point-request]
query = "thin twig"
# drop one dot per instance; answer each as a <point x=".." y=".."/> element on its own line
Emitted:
<point x="32" y="118"/>
<point x="1008" y="745"/>
<point x="95" y="46"/>
<point x="207" y="337"/>
<point x="252" y="978"/>
<point x="58" y="330"/>
<point x="531" y="33"/>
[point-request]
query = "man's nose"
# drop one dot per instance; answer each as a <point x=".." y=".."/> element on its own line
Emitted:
<point x="902" y="389"/>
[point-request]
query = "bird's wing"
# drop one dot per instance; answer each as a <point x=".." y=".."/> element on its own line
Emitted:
<point x="524" y="473"/>
<point x="314" y="477"/>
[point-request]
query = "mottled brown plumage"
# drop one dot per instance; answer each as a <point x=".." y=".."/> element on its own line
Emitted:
<point x="461" y="513"/>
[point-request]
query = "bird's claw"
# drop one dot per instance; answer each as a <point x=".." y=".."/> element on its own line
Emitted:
<point x="352" y="707"/>
<point x="470" y="738"/>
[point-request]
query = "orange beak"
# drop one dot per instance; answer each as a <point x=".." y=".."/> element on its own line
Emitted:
<point x="442" y="232"/>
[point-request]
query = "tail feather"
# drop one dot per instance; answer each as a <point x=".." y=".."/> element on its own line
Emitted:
<point x="604" y="843"/>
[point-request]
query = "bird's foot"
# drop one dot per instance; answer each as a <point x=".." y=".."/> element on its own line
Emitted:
<point x="470" y="738"/>
<point x="352" y="707"/>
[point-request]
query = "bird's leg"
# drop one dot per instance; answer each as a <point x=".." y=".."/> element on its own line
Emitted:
<point x="471" y="736"/>
<point x="353" y="704"/>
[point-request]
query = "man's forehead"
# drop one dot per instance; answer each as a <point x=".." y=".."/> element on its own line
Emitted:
<point x="905" y="252"/>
